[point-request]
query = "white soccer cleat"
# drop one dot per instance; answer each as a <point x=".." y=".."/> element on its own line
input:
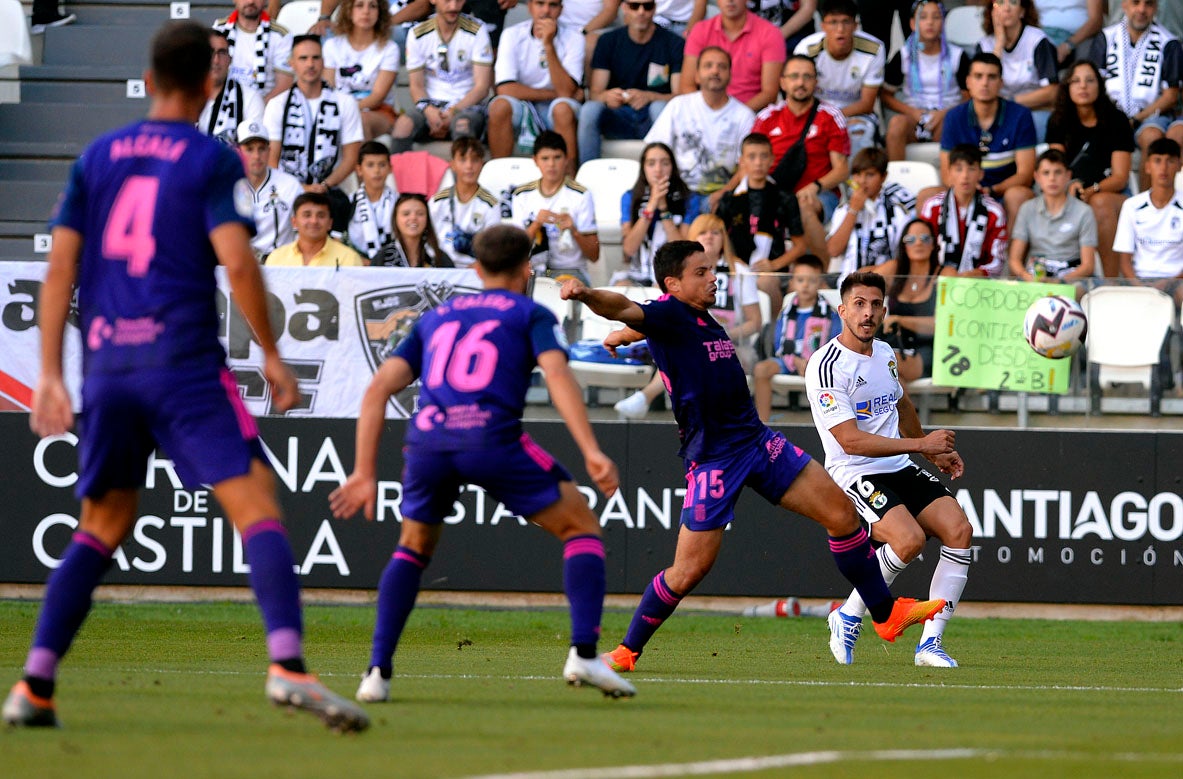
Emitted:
<point x="844" y="631"/>
<point x="595" y="673"/>
<point x="304" y="691"/>
<point x="930" y="653"/>
<point x="635" y="406"/>
<point x="373" y="688"/>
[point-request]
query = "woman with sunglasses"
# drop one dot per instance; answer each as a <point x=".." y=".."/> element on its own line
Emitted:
<point x="1096" y="138"/>
<point x="362" y="61"/>
<point x="414" y="243"/>
<point x="653" y="212"/>
<point x="912" y="299"/>
<point x="1029" y="58"/>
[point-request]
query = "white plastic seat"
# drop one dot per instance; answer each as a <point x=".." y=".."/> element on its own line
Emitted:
<point x="613" y="375"/>
<point x="298" y="15"/>
<point x="16" y="47"/>
<point x="1126" y="329"/>
<point x="912" y="175"/>
<point x="501" y="175"/>
<point x="929" y="152"/>
<point x="963" y="26"/>
<point x="608" y="179"/>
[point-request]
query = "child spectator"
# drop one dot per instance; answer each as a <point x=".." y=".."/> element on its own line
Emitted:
<point x="970" y="225"/>
<point x="462" y="210"/>
<point x="805" y="323"/>
<point x="1054" y="237"/>
<point x="867" y="228"/>
<point x="372" y="211"/>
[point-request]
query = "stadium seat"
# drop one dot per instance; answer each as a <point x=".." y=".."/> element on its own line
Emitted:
<point x="963" y="26"/>
<point x="16" y="47"/>
<point x="505" y="173"/>
<point x="1127" y="328"/>
<point x="298" y="15"/>
<point x="1178" y="181"/>
<point x="418" y="171"/>
<point x="622" y="150"/>
<point x="924" y="389"/>
<point x="594" y="375"/>
<point x="607" y="180"/>
<point x="924" y="152"/>
<point x="546" y="292"/>
<point x="913" y="176"/>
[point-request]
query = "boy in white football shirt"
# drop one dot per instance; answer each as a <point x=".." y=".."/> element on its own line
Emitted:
<point x="1149" y="238"/>
<point x="860" y="410"/>
<point x="462" y="210"/>
<point x="557" y="213"/>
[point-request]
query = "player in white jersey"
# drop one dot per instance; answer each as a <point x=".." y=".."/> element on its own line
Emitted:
<point x="862" y="412"/>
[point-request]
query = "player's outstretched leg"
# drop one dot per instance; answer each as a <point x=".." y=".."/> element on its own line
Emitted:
<point x="397" y="591"/>
<point x="846" y="622"/>
<point x="658" y="603"/>
<point x="905" y="613"/>
<point x="305" y="692"/>
<point x="67" y="602"/>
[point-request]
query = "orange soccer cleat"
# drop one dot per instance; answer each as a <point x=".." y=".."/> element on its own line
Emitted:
<point x="905" y="613"/>
<point x="621" y="659"/>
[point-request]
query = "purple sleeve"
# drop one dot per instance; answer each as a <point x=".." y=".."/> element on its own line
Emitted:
<point x="411" y="350"/>
<point x="70" y="210"/>
<point x="227" y="181"/>
<point x="545" y="334"/>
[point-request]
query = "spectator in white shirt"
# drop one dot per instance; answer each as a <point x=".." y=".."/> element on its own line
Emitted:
<point x="362" y="61"/>
<point x="537" y="75"/>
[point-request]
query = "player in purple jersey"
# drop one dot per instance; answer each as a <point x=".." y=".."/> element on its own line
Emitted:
<point x="149" y="211"/>
<point x="726" y="447"/>
<point x="474" y="355"/>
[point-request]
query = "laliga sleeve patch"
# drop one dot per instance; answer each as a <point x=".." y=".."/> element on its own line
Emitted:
<point x="827" y="402"/>
<point x="244" y="198"/>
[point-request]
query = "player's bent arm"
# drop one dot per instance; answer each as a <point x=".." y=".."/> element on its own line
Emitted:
<point x="622" y="337"/>
<point x="860" y="442"/>
<point x="567" y="397"/>
<point x="610" y="305"/>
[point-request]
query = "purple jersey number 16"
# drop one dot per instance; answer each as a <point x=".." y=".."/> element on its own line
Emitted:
<point x="467" y="365"/>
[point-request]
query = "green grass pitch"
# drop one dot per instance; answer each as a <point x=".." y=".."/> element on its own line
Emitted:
<point x="172" y="690"/>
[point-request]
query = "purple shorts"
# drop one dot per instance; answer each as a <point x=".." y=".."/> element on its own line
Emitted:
<point x="522" y="475"/>
<point x="712" y="488"/>
<point x="197" y="419"/>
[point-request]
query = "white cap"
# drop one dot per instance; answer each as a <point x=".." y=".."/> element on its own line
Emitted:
<point x="250" y="130"/>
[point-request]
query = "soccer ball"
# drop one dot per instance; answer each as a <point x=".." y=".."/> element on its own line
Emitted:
<point x="1055" y="326"/>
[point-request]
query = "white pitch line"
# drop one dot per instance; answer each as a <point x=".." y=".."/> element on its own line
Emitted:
<point x="658" y="681"/>
<point x="799" y="759"/>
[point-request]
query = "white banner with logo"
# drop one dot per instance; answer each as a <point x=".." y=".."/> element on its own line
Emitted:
<point x="335" y="326"/>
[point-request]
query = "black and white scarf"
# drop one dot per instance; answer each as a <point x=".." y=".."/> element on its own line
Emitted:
<point x="870" y="242"/>
<point x="262" y="46"/>
<point x="1132" y="78"/>
<point x="310" y="153"/>
<point x="375" y="220"/>
<point x="226" y="113"/>
<point x="955" y="249"/>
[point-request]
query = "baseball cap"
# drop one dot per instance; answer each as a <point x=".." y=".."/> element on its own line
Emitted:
<point x="250" y="130"/>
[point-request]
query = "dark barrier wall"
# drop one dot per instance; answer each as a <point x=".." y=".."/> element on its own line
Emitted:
<point x="1058" y="516"/>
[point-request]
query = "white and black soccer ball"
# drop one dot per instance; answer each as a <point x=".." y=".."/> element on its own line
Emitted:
<point x="1055" y="326"/>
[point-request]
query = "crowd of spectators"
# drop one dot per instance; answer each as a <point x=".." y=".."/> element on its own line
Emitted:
<point x="780" y="132"/>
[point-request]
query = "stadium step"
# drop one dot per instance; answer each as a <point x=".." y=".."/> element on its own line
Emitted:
<point x="47" y="123"/>
<point x="145" y="14"/>
<point x="34" y="170"/>
<point x="84" y="45"/>
<point x="89" y="93"/>
<point x="28" y="201"/>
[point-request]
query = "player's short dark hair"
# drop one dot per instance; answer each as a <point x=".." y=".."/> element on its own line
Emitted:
<point x="1054" y="156"/>
<point x="374" y="149"/>
<point x="986" y="58"/>
<point x="462" y="147"/>
<point x="181" y="56"/>
<point x="862" y="279"/>
<point x="671" y="259"/>
<point x="869" y="158"/>
<point x="501" y="248"/>
<point x="838" y="8"/>
<point x="967" y="153"/>
<point x="810" y="261"/>
<point x="1165" y="146"/>
<point x="755" y="139"/>
<point x="549" y="139"/>
<point x="313" y="198"/>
